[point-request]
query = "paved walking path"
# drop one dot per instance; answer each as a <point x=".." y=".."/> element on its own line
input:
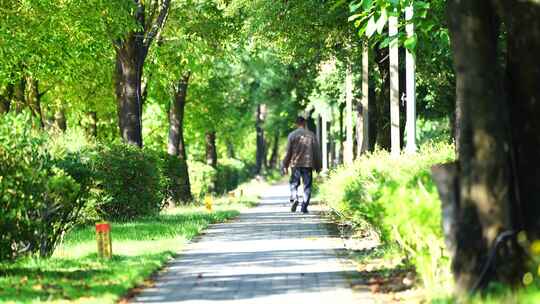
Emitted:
<point x="268" y="255"/>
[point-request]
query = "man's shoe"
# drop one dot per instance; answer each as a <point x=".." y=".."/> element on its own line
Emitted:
<point x="294" y="205"/>
<point x="304" y="209"/>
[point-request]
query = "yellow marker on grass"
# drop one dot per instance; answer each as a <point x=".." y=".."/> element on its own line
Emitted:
<point x="208" y="201"/>
<point x="103" y="237"/>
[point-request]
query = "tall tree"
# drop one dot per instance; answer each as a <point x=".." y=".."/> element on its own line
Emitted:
<point x="490" y="175"/>
<point x="211" y="149"/>
<point x="261" y="143"/>
<point x="131" y="53"/>
<point x="177" y="145"/>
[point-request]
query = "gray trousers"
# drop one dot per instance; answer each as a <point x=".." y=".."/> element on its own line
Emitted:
<point x="306" y="175"/>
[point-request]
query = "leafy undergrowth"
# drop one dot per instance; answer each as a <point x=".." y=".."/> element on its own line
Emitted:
<point x="395" y="199"/>
<point x="140" y="247"/>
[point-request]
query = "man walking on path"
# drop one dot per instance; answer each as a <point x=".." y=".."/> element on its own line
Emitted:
<point x="303" y="155"/>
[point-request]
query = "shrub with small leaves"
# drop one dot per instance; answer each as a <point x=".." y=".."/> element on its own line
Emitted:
<point x="39" y="200"/>
<point x="129" y="180"/>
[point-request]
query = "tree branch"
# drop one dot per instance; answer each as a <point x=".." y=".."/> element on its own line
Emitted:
<point x="157" y="26"/>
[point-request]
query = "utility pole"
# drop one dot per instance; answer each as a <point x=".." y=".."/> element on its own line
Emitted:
<point x="411" y="86"/>
<point x="394" y="85"/>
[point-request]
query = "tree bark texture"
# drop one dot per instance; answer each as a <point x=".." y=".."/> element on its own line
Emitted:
<point x="522" y="19"/>
<point x="60" y="120"/>
<point x="275" y="151"/>
<point x="19" y="100"/>
<point x="92" y="129"/>
<point x="5" y="99"/>
<point x="211" y="151"/>
<point x="261" y="147"/>
<point x="230" y="149"/>
<point x="341" y="139"/>
<point x="372" y="115"/>
<point x="382" y="107"/>
<point x="33" y="100"/>
<point x="176" y="146"/>
<point x="483" y="178"/>
<point x="131" y="52"/>
<point x="130" y="58"/>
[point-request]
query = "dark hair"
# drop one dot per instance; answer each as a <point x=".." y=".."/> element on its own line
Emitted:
<point x="300" y="120"/>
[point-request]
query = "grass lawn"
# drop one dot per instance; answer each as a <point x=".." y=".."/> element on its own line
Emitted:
<point x="76" y="275"/>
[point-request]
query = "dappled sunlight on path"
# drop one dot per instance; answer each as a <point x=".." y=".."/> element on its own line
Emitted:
<point x="268" y="255"/>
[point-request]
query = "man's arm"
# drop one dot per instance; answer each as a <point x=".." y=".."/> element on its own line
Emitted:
<point x="288" y="154"/>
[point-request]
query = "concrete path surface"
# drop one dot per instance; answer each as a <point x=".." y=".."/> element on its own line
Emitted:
<point x="267" y="255"/>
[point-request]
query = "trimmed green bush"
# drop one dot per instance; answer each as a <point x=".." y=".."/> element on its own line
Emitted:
<point x="398" y="197"/>
<point x="129" y="180"/>
<point x="230" y="173"/>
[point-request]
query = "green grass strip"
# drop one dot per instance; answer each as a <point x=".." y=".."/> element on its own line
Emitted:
<point x="76" y="275"/>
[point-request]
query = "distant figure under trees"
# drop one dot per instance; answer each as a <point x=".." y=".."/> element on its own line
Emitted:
<point x="303" y="156"/>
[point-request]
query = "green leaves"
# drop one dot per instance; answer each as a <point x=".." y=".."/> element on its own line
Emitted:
<point x="410" y="43"/>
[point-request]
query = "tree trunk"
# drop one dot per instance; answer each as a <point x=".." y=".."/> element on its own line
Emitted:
<point x="211" y="151"/>
<point x="372" y="115"/>
<point x="230" y="149"/>
<point x="131" y="52"/>
<point x="483" y="209"/>
<point x="60" y="120"/>
<point x="92" y="129"/>
<point x="382" y="104"/>
<point x="34" y="100"/>
<point x="260" y="153"/>
<point x="130" y="56"/>
<point x="341" y="139"/>
<point x="5" y="99"/>
<point x="275" y="151"/>
<point x="19" y="101"/>
<point x="523" y="74"/>
<point x="176" y="146"/>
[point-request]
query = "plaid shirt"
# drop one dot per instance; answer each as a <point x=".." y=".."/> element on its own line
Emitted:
<point x="302" y="150"/>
